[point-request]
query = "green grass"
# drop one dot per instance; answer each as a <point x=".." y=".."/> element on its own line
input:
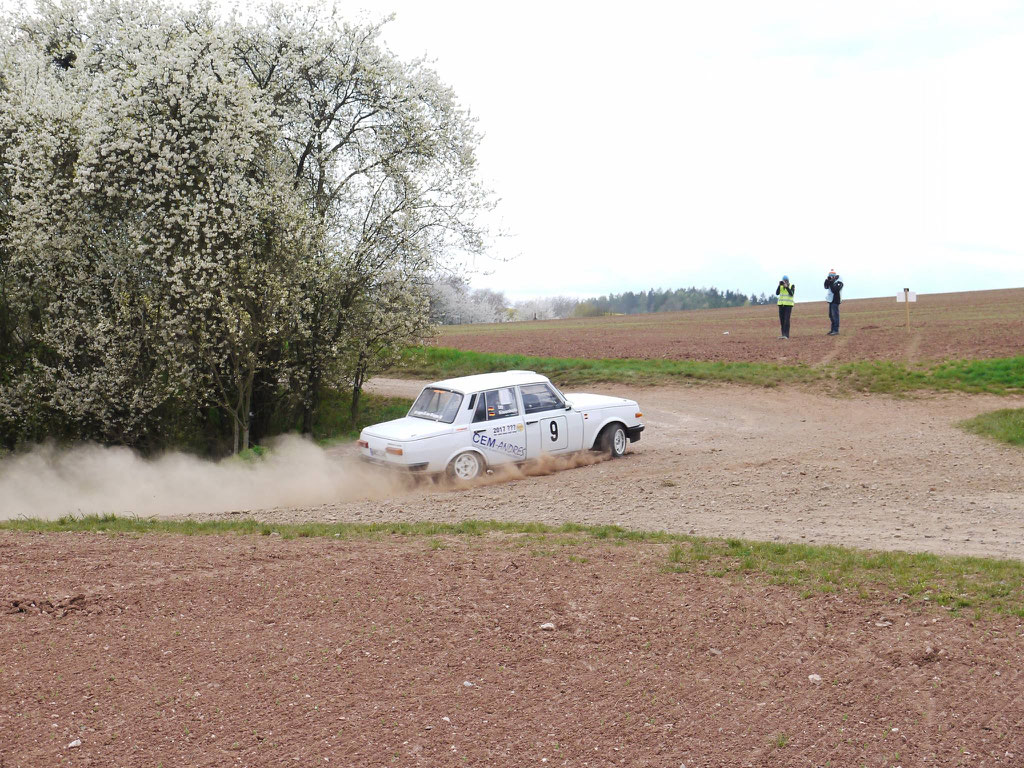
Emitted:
<point x="441" y="362"/>
<point x="780" y="740"/>
<point x="254" y="453"/>
<point x="998" y="376"/>
<point x="1005" y="425"/>
<point x="980" y="585"/>
<point x="333" y="418"/>
<point x="954" y="582"/>
<point x="335" y="423"/>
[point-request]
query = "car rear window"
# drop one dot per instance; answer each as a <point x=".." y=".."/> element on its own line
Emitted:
<point x="437" y="405"/>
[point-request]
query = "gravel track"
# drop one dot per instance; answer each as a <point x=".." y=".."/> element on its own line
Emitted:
<point x="782" y="464"/>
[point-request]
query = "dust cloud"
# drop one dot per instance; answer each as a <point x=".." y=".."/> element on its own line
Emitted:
<point x="48" y="482"/>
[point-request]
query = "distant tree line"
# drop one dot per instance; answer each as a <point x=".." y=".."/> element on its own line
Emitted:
<point x="206" y="222"/>
<point x="665" y="300"/>
<point x="453" y="301"/>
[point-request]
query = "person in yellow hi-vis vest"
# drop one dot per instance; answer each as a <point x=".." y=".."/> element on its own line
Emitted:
<point x="785" y="293"/>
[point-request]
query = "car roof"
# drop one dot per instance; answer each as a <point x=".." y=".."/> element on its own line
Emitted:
<point x="482" y="381"/>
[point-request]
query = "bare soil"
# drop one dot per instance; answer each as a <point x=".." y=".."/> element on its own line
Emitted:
<point x="259" y="651"/>
<point x="954" y="326"/>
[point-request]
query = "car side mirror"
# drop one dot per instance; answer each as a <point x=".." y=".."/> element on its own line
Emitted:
<point x="568" y="406"/>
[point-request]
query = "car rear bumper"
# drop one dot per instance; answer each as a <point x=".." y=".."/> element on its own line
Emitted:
<point x="394" y="465"/>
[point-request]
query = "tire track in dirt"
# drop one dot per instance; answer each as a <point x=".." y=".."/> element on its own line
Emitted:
<point x="913" y="347"/>
<point x="837" y="344"/>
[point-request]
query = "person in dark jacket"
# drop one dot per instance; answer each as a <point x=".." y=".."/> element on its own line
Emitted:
<point x="785" y="293"/>
<point x="834" y="287"/>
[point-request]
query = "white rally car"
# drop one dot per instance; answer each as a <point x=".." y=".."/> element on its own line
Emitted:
<point x="463" y="426"/>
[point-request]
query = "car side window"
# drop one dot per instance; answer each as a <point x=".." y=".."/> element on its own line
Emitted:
<point x="539" y="397"/>
<point x="496" y="404"/>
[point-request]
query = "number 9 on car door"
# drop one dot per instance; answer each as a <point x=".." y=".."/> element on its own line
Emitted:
<point x="554" y="435"/>
<point x="551" y="425"/>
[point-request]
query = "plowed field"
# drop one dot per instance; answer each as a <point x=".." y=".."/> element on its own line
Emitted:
<point x="258" y="651"/>
<point x="942" y="326"/>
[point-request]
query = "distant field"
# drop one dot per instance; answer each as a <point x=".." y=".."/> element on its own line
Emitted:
<point x="946" y="326"/>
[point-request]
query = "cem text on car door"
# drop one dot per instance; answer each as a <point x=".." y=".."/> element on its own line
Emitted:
<point x="550" y="428"/>
<point x="498" y="426"/>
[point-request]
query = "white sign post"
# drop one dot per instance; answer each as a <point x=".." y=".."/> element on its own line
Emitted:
<point x="907" y="296"/>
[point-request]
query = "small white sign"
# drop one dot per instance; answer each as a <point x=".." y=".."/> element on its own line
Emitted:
<point x="901" y="297"/>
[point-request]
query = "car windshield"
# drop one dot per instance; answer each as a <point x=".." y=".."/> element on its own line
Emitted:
<point x="437" y="405"/>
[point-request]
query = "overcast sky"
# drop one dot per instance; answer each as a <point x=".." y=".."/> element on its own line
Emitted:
<point x="727" y="143"/>
<point x="657" y="144"/>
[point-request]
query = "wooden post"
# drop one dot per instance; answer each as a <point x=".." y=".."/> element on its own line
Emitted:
<point x="906" y="299"/>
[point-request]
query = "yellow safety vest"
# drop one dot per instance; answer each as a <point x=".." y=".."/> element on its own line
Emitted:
<point x="785" y="297"/>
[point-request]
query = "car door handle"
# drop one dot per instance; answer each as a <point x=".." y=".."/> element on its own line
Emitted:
<point x="478" y="431"/>
<point x="532" y="422"/>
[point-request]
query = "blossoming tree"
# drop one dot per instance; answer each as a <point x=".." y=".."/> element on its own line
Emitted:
<point x="199" y="212"/>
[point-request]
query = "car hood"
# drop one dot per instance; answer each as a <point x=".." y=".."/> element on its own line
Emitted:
<point x="407" y="428"/>
<point x="585" y="402"/>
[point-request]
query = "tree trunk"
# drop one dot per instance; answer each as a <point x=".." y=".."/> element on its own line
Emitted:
<point x="308" y="409"/>
<point x="245" y="426"/>
<point x="246" y="405"/>
<point x="262" y="406"/>
<point x="240" y="414"/>
<point x="357" y="388"/>
<point x="310" y="402"/>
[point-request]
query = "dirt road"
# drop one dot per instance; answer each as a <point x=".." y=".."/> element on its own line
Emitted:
<point x="765" y="464"/>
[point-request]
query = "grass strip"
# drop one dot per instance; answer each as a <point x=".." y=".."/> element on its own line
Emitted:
<point x="983" y="585"/>
<point x="997" y="376"/>
<point x="955" y="582"/>
<point x="1005" y="425"/>
<point x="443" y="362"/>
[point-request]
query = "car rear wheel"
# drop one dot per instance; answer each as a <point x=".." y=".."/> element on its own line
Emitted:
<point x="613" y="440"/>
<point x="466" y="466"/>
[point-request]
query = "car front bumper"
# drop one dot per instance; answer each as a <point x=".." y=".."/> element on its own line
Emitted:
<point x="633" y="433"/>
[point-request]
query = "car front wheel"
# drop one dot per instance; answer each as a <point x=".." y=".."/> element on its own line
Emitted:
<point x="613" y="440"/>
<point x="466" y="466"/>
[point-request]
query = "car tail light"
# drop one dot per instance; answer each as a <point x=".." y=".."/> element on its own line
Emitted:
<point x="363" y="444"/>
<point x="395" y="451"/>
<point x="639" y="415"/>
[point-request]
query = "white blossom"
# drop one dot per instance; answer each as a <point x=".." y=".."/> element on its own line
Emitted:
<point x="196" y="211"/>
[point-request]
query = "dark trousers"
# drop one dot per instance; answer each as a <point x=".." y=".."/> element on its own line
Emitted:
<point x="785" y="312"/>
<point x="833" y="316"/>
